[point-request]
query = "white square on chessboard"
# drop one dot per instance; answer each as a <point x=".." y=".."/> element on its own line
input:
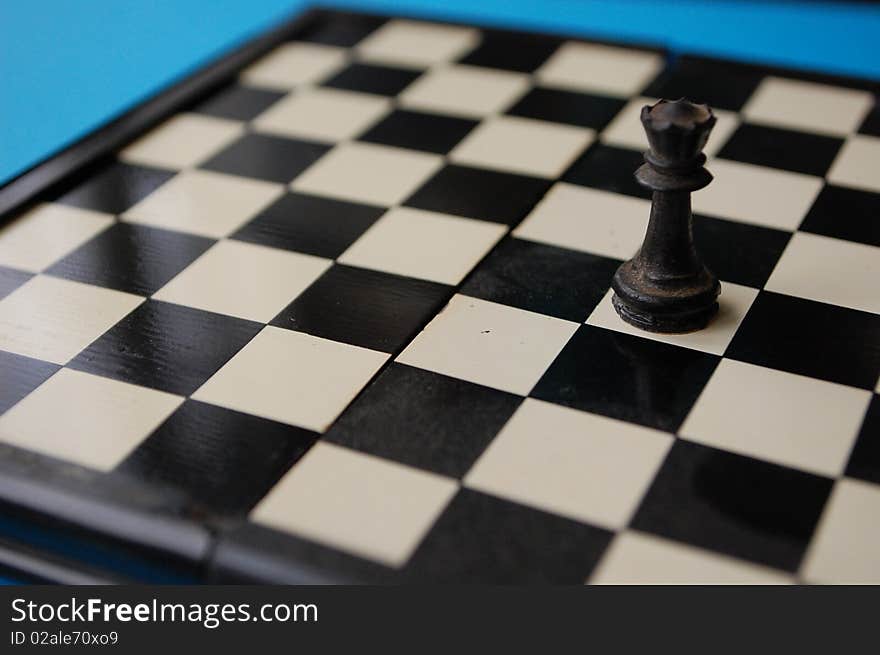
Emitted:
<point x="757" y="194"/>
<point x="46" y="233"/>
<point x="183" y="141"/>
<point x="424" y="244"/>
<point x="626" y="129"/>
<point x="858" y="164"/>
<point x="244" y="280"/>
<point x="414" y="44"/>
<point x="86" y="419"/>
<point x="53" y="319"/>
<point x="581" y="218"/>
<point x="364" y="172"/>
<point x="489" y="344"/>
<point x="323" y="114"/>
<point x="294" y="64"/>
<point x="203" y="202"/>
<point x="829" y="270"/>
<point x="522" y="145"/>
<point x="778" y="417"/>
<point x="639" y="558"/>
<point x="846" y="544"/>
<point x="600" y="68"/>
<point x="292" y="377"/>
<point x="583" y="466"/>
<point x="807" y="106"/>
<point x="468" y="91"/>
<point x="357" y="503"/>
<point x="733" y="305"/>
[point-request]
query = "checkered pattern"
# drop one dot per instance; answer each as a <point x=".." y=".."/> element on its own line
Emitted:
<point x="361" y="298"/>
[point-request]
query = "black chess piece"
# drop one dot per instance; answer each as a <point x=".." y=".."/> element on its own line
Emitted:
<point x="666" y="287"/>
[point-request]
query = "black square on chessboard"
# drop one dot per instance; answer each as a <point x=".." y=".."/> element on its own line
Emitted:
<point x="871" y="124"/>
<point x="340" y="29"/>
<point x="373" y="78"/>
<point x="11" y="279"/>
<point x="774" y="147"/>
<point x="483" y="539"/>
<point x="864" y="461"/>
<point x="734" y="505"/>
<point x="542" y="278"/>
<point x="424" y="419"/>
<point x="112" y="187"/>
<point x="364" y="308"/>
<point x="810" y="338"/>
<point x="522" y="53"/>
<point x="238" y="102"/>
<point x="739" y="252"/>
<point x="133" y="258"/>
<point x="167" y="347"/>
<point x="626" y="377"/>
<point x="844" y="213"/>
<point x="222" y="459"/>
<point x="480" y="193"/>
<point x="419" y="131"/>
<point x="271" y="158"/>
<point x="720" y="84"/>
<point x="558" y="106"/>
<point x="20" y="376"/>
<point x="310" y="224"/>
<point x="608" y="168"/>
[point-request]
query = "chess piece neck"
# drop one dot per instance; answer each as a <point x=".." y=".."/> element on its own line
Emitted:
<point x="668" y="243"/>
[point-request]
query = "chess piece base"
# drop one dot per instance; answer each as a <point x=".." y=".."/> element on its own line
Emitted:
<point x="671" y="324"/>
<point x="676" y="307"/>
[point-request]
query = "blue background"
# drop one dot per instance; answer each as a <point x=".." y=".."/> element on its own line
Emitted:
<point x="70" y="65"/>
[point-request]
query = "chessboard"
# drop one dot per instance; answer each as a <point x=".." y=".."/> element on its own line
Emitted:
<point x="340" y="312"/>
